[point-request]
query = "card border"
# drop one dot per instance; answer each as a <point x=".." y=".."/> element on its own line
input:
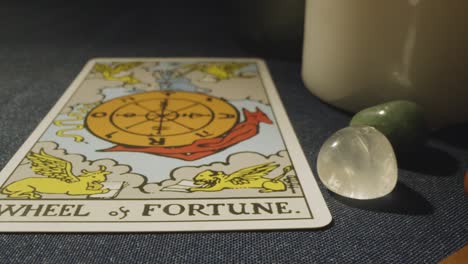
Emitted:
<point x="320" y="216"/>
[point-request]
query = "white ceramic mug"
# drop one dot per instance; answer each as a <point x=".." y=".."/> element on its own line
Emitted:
<point x="358" y="53"/>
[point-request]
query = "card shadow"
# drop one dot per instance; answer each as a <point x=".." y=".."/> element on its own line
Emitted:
<point x="402" y="200"/>
<point x="430" y="161"/>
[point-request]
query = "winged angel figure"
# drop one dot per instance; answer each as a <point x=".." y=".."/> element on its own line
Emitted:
<point x="59" y="179"/>
<point x="248" y="178"/>
<point x="118" y="72"/>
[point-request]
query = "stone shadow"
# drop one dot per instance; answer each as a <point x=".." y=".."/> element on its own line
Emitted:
<point x="429" y="160"/>
<point x="455" y="135"/>
<point x="402" y="200"/>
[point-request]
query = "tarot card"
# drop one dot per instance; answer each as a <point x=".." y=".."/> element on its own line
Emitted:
<point x="149" y="144"/>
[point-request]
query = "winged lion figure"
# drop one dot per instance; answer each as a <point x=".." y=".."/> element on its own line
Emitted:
<point x="247" y="178"/>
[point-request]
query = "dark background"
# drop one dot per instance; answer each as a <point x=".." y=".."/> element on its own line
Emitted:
<point x="42" y="49"/>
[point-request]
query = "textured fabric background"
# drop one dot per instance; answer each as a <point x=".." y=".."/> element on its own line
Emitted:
<point x="43" y="49"/>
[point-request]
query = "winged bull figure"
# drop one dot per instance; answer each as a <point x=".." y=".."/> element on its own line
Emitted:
<point x="59" y="179"/>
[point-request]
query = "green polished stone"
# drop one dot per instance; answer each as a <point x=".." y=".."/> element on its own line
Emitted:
<point x="402" y="122"/>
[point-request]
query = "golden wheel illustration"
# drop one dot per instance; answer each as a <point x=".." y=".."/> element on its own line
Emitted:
<point x="161" y="118"/>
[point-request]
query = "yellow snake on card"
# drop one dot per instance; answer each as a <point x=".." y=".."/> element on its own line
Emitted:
<point x="77" y="114"/>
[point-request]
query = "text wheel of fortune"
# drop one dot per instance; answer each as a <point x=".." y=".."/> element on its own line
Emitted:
<point x="166" y="119"/>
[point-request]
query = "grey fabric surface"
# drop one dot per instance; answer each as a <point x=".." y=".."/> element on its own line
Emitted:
<point x="42" y="50"/>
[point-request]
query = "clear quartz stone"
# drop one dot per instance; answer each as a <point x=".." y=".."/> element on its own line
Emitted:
<point x="358" y="162"/>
